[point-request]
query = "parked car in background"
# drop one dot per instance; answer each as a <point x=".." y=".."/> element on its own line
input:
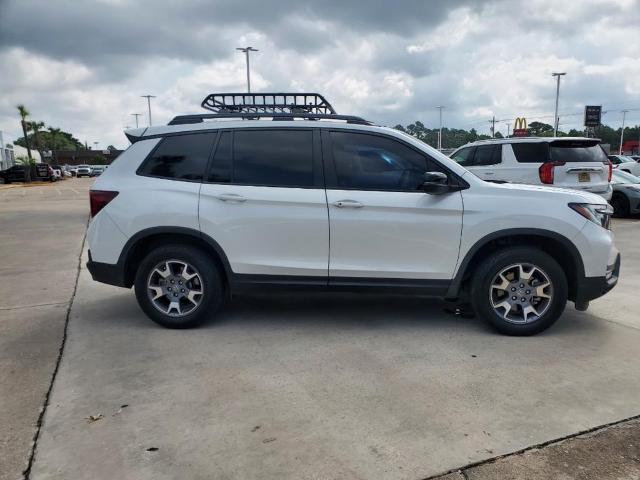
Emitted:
<point x="97" y="170"/>
<point x="57" y="172"/>
<point x="635" y="157"/>
<point x="626" y="193"/>
<point x="576" y="163"/>
<point x="83" y="171"/>
<point x="391" y="207"/>
<point x="625" y="164"/>
<point x="39" y="171"/>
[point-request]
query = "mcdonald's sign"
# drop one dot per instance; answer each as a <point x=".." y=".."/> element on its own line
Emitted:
<point x="520" y="127"/>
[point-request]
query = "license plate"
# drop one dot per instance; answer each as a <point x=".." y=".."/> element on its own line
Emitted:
<point x="584" y="177"/>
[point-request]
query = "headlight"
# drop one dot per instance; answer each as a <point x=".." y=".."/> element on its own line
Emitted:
<point x="596" y="212"/>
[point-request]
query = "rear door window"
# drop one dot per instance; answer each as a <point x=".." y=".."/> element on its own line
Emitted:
<point x="531" y="152"/>
<point x="278" y="158"/>
<point x="180" y="157"/>
<point x="576" y="151"/>
<point x="487" y="155"/>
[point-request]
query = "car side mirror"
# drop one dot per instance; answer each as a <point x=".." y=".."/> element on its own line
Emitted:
<point x="436" y="183"/>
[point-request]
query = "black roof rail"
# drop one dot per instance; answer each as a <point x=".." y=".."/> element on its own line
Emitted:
<point x="283" y="102"/>
<point x="199" y="118"/>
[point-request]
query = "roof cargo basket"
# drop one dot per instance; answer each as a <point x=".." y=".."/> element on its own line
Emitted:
<point x="267" y="103"/>
<point x="275" y="106"/>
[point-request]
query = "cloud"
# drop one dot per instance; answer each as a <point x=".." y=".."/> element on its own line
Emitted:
<point x="83" y="65"/>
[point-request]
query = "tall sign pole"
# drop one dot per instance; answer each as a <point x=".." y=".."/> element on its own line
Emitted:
<point x="148" y="97"/>
<point x="624" y="115"/>
<point x="556" y="120"/>
<point x="246" y="51"/>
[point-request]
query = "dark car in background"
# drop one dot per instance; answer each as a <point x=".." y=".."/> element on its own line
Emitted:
<point x="39" y="171"/>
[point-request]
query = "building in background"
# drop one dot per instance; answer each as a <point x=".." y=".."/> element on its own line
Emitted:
<point x="83" y="157"/>
<point x="10" y="152"/>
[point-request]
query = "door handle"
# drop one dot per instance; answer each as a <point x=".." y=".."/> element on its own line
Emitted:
<point x="489" y="173"/>
<point x="347" y="204"/>
<point x="231" y="197"/>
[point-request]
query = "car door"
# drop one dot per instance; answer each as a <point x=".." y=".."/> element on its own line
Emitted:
<point x="381" y="225"/>
<point x="263" y="202"/>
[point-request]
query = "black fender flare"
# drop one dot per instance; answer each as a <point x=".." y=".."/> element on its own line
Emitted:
<point x="456" y="282"/>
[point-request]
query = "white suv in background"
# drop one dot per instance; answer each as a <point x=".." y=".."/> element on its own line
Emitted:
<point x="200" y="209"/>
<point x="625" y="163"/>
<point x="577" y="163"/>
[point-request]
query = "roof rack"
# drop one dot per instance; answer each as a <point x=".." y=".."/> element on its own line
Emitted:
<point x="274" y="106"/>
<point x="199" y="118"/>
<point x="267" y="103"/>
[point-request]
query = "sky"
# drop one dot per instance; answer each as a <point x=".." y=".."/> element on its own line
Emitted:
<point x="83" y="65"/>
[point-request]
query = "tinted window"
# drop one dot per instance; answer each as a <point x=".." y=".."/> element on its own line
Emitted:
<point x="487" y="155"/>
<point x="183" y="157"/>
<point x="281" y="158"/>
<point x="531" y="152"/>
<point x="576" y="151"/>
<point x="464" y="157"/>
<point x="220" y="171"/>
<point x="369" y="162"/>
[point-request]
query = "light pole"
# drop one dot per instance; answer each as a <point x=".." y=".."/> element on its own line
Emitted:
<point x="555" y="117"/>
<point x="246" y="50"/>
<point x="440" y="107"/>
<point x="137" y="115"/>
<point x="148" y="97"/>
<point x="95" y="145"/>
<point x="508" y="129"/>
<point x="624" y="115"/>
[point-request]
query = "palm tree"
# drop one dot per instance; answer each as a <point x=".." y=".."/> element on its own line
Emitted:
<point x="55" y="135"/>
<point x="24" y="113"/>
<point x="35" y="128"/>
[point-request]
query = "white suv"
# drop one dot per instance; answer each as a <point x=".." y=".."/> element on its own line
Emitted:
<point x="577" y="163"/>
<point x="201" y="208"/>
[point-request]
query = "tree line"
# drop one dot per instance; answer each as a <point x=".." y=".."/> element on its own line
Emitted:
<point x="455" y="137"/>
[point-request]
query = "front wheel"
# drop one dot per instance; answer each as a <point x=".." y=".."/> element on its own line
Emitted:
<point x="178" y="286"/>
<point x="519" y="291"/>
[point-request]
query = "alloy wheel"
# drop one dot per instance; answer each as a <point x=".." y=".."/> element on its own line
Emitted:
<point x="175" y="288"/>
<point x="521" y="293"/>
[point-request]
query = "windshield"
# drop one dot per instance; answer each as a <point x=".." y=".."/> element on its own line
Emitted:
<point x="576" y="151"/>
<point x="621" y="177"/>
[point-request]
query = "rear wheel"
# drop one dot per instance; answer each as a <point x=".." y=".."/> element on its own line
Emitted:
<point x="519" y="291"/>
<point x="620" y="204"/>
<point x="178" y="286"/>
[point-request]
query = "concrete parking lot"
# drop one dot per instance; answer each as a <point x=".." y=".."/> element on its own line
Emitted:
<point x="40" y="240"/>
<point x="316" y="387"/>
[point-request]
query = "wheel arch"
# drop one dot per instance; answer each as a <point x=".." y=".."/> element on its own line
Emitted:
<point x="134" y="250"/>
<point x="559" y="247"/>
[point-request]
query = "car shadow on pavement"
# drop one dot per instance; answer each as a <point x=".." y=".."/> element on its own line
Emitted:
<point x="333" y="311"/>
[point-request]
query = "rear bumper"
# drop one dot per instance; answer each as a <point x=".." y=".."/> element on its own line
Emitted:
<point x="111" y="274"/>
<point x="590" y="288"/>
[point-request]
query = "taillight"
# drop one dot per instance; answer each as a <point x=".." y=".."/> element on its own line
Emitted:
<point x="546" y="171"/>
<point x="608" y="162"/>
<point x="98" y="199"/>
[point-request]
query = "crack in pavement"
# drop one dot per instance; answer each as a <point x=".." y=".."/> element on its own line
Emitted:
<point x="36" y="305"/>
<point x="462" y="470"/>
<point x="34" y="443"/>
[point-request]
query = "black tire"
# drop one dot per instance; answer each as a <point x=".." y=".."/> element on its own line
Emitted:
<point x="488" y="270"/>
<point x="213" y="290"/>
<point x="620" y="204"/>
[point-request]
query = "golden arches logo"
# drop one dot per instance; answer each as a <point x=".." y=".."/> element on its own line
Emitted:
<point x="520" y="124"/>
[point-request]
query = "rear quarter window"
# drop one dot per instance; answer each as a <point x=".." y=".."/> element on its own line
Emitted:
<point x="531" y="152"/>
<point x="180" y="157"/>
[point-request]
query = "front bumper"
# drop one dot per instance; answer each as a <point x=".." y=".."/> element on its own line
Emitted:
<point x="590" y="288"/>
